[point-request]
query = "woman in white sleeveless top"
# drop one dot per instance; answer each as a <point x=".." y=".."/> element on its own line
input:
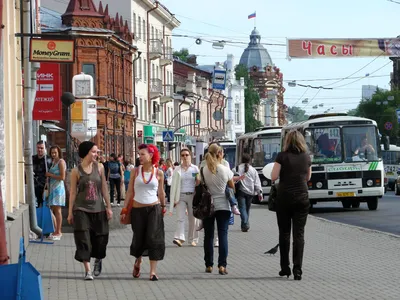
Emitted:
<point x="146" y="187"/>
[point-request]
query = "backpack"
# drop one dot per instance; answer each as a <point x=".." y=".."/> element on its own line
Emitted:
<point x="203" y="206"/>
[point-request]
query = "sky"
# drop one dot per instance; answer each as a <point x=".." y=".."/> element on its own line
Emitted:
<point x="278" y="20"/>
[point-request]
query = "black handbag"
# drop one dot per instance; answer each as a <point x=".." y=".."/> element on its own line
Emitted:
<point x="272" y="197"/>
<point x="203" y="206"/>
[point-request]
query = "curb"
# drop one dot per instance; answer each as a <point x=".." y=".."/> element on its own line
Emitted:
<point x="356" y="227"/>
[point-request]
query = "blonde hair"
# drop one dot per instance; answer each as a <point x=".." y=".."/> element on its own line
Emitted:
<point x="294" y="142"/>
<point x="212" y="157"/>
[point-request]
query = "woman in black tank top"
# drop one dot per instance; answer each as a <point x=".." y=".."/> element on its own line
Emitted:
<point x="293" y="168"/>
<point x="87" y="211"/>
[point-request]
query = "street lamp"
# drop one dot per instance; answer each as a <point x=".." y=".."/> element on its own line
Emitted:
<point x="68" y="99"/>
<point x="385" y="102"/>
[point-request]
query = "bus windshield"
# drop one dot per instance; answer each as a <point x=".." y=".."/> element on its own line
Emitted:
<point x="346" y="144"/>
<point x="265" y="151"/>
<point x="230" y="154"/>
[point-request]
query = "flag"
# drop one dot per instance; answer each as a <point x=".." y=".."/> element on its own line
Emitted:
<point x="253" y="15"/>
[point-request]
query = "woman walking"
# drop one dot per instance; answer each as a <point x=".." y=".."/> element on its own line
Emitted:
<point x="249" y="185"/>
<point x="146" y="188"/>
<point x="217" y="177"/>
<point x="184" y="180"/>
<point x="87" y="211"/>
<point x="56" y="175"/>
<point x="168" y="178"/>
<point x="293" y="168"/>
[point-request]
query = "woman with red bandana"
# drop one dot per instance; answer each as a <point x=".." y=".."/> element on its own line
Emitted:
<point x="146" y="188"/>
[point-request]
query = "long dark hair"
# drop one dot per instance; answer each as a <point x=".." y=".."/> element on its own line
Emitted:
<point x="246" y="160"/>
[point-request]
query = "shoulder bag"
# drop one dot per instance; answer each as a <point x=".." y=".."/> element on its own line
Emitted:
<point x="203" y="206"/>
<point x="127" y="219"/>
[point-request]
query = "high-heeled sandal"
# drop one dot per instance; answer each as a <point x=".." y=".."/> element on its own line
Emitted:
<point x="136" y="269"/>
<point x="153" y="277"/>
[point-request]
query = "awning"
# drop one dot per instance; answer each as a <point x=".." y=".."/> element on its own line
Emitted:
<point x="51" y="127"/>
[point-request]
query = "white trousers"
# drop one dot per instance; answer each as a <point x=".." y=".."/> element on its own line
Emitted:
<point x="185" y="202"/>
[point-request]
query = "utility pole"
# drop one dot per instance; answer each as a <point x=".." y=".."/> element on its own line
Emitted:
<point x="3" y="241"/>
<point x="28" y="107"/>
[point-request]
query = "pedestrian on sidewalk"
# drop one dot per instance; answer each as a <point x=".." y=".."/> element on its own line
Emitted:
<point x="168" y="178"/>
<point x="293" y="168"/>
<point x="41" y="164"/>
<point x="217" y="177"/>
<point x="146" y="188"/>
<point x="184" y="180"/>
<point x="248" y="186"/>
<point x="88" y="213"/>
<point x="115" y="177"/>
<point x="56" y="199"/>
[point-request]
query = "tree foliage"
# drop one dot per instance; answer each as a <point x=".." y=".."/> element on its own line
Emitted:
<point x="251" y="99"/>
<point x="382" y="113"/>
<point x="296" y="114"/>
<point x="182" y="54"/>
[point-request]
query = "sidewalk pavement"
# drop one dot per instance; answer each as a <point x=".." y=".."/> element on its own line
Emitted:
<point x="340" y="262"/>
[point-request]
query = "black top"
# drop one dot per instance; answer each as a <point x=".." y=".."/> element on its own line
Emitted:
<point x="294" y="170"/>
<point x="39" y="169"/>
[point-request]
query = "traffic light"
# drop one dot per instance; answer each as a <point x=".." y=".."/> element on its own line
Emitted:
<point x="198" y="116"/>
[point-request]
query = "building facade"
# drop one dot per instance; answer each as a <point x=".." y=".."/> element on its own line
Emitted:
<point x="104" y="50"/>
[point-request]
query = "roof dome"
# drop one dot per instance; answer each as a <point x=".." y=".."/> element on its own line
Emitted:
<point x="255" y="54"/>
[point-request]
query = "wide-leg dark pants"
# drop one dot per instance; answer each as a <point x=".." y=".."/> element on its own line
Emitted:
<point x="292" y="209"/>
<point x="90" y="234"/>
<point x="148" y="232"/>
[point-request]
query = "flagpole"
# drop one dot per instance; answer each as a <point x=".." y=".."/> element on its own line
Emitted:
<point x="255" y="19"/>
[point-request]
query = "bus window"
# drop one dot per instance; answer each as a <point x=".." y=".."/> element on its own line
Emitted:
<point x="265" y="151"/>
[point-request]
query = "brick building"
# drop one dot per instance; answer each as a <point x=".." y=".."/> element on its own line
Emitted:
<point x="103" y="49"/>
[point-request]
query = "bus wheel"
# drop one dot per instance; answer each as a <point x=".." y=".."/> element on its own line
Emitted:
<point x="346" y="203"/>
<point x="372" y="203"/>
<point x="396" y="189"/>
<point x="355" y="204"/>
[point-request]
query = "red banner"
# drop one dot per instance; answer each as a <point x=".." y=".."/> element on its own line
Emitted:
<point x="48" y="93"/>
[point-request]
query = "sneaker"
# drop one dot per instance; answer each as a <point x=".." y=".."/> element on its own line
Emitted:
<point x="112" y="204"/>
<point x="216" y="244"/>
<point x="118" y="204"/>
<point x="235" y="210"/>
<point x="88" y="276"/>
<point x="97" y="267"/>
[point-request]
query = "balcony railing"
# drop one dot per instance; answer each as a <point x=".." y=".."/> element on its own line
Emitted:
<point x="156" y="87"/>
<point x="156" y="49"/>
<point x="167" y="57"/>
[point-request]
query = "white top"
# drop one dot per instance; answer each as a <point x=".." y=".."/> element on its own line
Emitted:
<point x="168" y="175"/>
<point x="146" y="193"/>
<point x="188" y="178"/>
<point x="251" y="183"/>
<point x="223" y="162"/>
<point x="216" y="184"/>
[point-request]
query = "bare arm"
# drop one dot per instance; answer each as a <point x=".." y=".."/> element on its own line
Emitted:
<point x="309" y="174"/>
<point x="161" y="193"/>
<point x="231" y="184"/>
<point x="104" y="188"/>
<point x="276" y="171"/>
<point x="72" y="190"/>
<point x="61" y="165"/>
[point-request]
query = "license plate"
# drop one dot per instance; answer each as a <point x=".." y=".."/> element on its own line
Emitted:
<point x="346" y="194"/>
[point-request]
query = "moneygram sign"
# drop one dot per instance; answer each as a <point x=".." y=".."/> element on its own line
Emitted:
<point x="56" y="51"/>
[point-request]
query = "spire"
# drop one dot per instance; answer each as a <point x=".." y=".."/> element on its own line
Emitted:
<point x="101" y="11"/>
<point x="81" y="8"/>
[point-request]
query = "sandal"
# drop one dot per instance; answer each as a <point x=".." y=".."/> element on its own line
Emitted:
<point x="153" y="277"/>
<point x="136" y="269"/>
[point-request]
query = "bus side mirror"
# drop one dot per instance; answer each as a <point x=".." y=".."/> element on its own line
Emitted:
<point x="385" y="142"/>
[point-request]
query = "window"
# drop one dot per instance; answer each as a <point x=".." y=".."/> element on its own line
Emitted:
<point x="156" y="34"/>
<point x="161" y="113"/>
<point x="140" y="68"/>
<point x="137" y="108"/>
<point x="140" y="109"/>
<point x="152" y="32"/>
<point x="144" y="31"/>
<point x="145" y="70"/>
<point x="152" y="71"/>
<point x="145" y="110"/>
<point x="237" y="113"/>
<point x="157" y="72"/>
<point x="139" y="31"/>
<point x="134" y="25"/>
<point x="90" y="70"/>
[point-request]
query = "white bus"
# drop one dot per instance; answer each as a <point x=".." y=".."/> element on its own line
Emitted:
<point x="263" y="146"/>
<point x="391" y="164"/>
<point x="229" y="151"/>
<point x="346" y="159"/>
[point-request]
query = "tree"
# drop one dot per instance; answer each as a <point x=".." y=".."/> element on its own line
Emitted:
<point x="383" y="112"/>
<point x="182" y="54"/>
<point x="296" y="114"/>
<point x="251" y="99"/>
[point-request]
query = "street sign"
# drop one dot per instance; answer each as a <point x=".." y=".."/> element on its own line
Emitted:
<point x="219" y="80"/>
<point x="388" y="125"/>
<point x="398" y="115"/>
<point x="140" y="133"/>
<point x="168" y="136"/>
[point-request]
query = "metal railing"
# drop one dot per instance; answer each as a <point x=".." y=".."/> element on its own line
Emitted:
<point x="156" y="86"/>
<point x="156" y="47"/>
<point x="168" y="90"/>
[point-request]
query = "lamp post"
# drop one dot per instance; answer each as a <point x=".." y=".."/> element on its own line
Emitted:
<point x="68" y="99"/>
